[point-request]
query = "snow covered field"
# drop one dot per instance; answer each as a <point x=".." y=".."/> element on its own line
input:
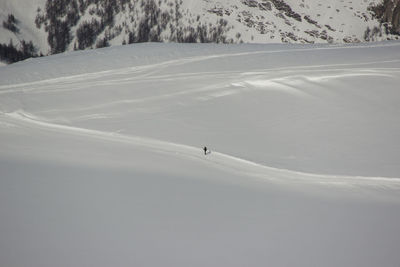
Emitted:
<point x="101" y="160"/>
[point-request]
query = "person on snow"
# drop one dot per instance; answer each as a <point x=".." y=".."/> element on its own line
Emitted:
<point x="205" y="150"/>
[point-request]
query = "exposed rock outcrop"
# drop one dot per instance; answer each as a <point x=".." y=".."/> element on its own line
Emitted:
<point x="388" y="12"/>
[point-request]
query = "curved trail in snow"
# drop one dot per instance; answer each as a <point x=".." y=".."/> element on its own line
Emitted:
<point x="182" y="61"/>
<point x="216" y="159"/>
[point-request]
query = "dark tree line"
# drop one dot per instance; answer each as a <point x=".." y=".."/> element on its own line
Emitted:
<point x="155" y="21"/>
<point x="87" y="33"/>
<point x="11" y="53"/>
<point x="60" y="16"/>
<point x="11" y="24"/>
<point x="59" y="29"/>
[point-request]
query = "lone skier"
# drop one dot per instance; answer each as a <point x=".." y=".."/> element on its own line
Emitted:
<point x="205" y="150"/>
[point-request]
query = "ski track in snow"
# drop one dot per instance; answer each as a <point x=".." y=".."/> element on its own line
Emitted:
<point x="282" y="78"/>
<point x="216" y="159"/>
<point x="176" y="62"/>
<point x="259" y="79"/>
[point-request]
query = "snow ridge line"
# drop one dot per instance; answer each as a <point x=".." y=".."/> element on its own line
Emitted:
<point x="219" y="160"/>
<point x="183" y="61"/>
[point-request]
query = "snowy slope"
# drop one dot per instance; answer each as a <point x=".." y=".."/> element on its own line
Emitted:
<point x="101" y="160"/>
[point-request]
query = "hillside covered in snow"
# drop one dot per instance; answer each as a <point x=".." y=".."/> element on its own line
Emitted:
<point x="101" y="160"/>
<point x="31" y="28"/>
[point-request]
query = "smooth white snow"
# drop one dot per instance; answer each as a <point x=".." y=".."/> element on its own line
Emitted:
<point x="101" y="160"/>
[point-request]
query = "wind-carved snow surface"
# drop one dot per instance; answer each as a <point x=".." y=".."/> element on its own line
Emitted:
<point x="101" y="160"/>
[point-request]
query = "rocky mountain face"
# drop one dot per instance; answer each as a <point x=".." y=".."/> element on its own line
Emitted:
<point x="82" y="24"/>
<point x="388" y="12"/>
<point x="93" y="23"/>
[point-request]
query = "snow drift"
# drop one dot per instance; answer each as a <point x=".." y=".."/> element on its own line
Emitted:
<point x="101" y="158"/>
